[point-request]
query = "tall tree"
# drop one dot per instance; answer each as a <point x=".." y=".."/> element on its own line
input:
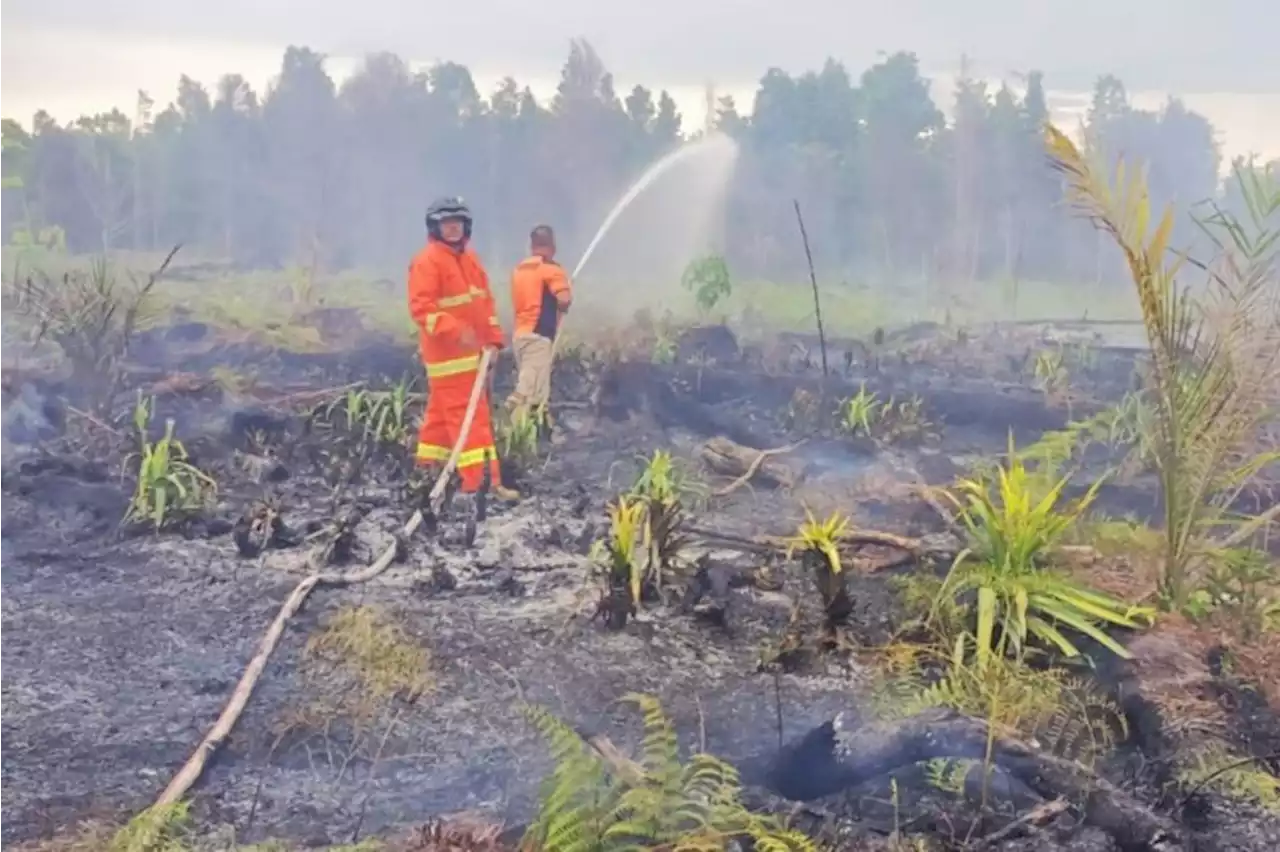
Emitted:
<point x="300" y="122"/>
<point x="318" y="177"/>
<point x="899" y="177"/>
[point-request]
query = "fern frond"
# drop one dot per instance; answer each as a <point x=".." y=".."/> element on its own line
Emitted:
<point x="660" y="752"/>
<point x="694" y="807"/>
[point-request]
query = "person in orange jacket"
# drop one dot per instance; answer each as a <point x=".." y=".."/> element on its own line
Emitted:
<point x="540" y="294"/>
<point x="450" y="302"/>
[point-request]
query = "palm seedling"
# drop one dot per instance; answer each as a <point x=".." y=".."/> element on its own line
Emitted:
<point x="1013" y="525"/>
<point x="860" y="413"/>
<point x="818" y="543"/>
<point x="1215" y="363"/>
<point x="624" y="559"/>
<point x="662" y="487"/>
<point x="904" y="420"/>
<point x="1051" y="373"/>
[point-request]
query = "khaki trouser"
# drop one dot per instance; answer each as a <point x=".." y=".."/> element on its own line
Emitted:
<point x="533" y="370"/>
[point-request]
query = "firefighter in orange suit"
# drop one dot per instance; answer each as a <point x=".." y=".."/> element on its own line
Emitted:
<point x="450" y="302"/>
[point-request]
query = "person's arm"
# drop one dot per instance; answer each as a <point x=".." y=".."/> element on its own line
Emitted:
<point x="491" y="332"/>
<point x="424" y="302"/>
<point x="561" y="289"/>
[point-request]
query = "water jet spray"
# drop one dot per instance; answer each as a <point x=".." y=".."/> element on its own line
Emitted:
<point x="716" y="143"/>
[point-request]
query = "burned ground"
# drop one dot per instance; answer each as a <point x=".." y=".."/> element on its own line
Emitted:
<point x="121" y="646"/>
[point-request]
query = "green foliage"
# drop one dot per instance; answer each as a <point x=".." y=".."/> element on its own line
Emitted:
<point x="707" y="278"/>
<point x="1065" y="714"/>
<point x="1214" y="362"/>
<point x="821" y="537"/>
<point x="1052" y="375"/>
<point x="376" y="651"/>
<point x="664" y="479"/>
<point x="519" y="432"/>
<point x="168" y="484"/>
<point x="360" y="672"/>
<point x="646" y="529"/>
<point x="1012" y="530"/>
<point x="596" y="803"/>
<point x="665" y="345"/>
<point x="1123" y="427"/>
<point x="16" y="146"/>
<point x="51" y="239"/>
<point x="92" y="318"/>
<point x="374" y="417"/>
<point x="819" y="543"/>
<point x="861" y="412"/>
<point x="1243" y="585"/>
<point x="861" y="137"/>
<point x="864" y="414"/>
<point x="1210" y="765"/>
<point x="624" y="555"/>
<point x="803" y="410"/>
<point x="162" y="828"/>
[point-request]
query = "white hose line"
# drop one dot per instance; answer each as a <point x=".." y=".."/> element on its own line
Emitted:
<point x="194" y="767"/>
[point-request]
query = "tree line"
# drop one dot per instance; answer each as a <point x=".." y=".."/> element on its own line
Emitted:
<point x="334" y="176"/>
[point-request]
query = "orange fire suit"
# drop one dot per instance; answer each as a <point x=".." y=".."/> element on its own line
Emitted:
<point x="448" y="292"/>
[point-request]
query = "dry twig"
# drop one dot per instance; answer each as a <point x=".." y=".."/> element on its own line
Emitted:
<point x="754" y="467"/>
<point x="1039" y="815"/>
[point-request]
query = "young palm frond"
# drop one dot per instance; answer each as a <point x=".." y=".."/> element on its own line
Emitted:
<point x="1212" y="378"/>
<point x="628" y="546"/>
<point x="663" y="479"/>
<point x="1012" y="529"/>
<point x="818" y="543"/>
<point x="662" y="487"/>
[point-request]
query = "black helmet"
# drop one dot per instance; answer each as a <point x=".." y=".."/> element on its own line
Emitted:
<point x="452" y="207"/>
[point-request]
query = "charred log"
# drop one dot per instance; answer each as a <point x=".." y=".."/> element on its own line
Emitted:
<point x="631" y="390"/>
<point x="842" y="754"/>
<point x="709" y="344"/>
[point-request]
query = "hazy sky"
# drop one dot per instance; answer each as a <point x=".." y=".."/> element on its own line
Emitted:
<point x="70" y="55"/>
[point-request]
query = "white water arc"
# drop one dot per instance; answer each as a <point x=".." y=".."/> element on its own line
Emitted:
<point x="717" y="144"/>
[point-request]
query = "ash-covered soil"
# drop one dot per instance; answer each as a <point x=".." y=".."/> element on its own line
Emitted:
<point x="120" y="653"/>
<point x="121" y="649"/>
<point x="118" y="656"/>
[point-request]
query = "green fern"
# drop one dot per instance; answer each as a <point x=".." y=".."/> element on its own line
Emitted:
<point x="949" y="774"/>
<point x="591" y="805"/>
<point x="1063" y="713"/>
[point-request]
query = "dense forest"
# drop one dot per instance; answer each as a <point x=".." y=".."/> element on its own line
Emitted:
<point x="337" y="176"/>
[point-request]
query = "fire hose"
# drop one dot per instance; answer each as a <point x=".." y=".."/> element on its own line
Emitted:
<point x="194" y="767"/>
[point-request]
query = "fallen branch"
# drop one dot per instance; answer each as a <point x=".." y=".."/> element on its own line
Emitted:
<point x="916" y="547"/>
<point x="322" y="393"/>
<point x="730" y="458"/>
<point x="1037" y="816"/>
<point x="841" y="754"/>
<point x="91" y="419"/>
<point x="194" y="767"/>
<point x="180" y="383"/>
<point x="753" y="468"/>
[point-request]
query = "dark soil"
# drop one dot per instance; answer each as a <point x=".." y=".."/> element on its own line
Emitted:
<point x="121" y="647"/>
